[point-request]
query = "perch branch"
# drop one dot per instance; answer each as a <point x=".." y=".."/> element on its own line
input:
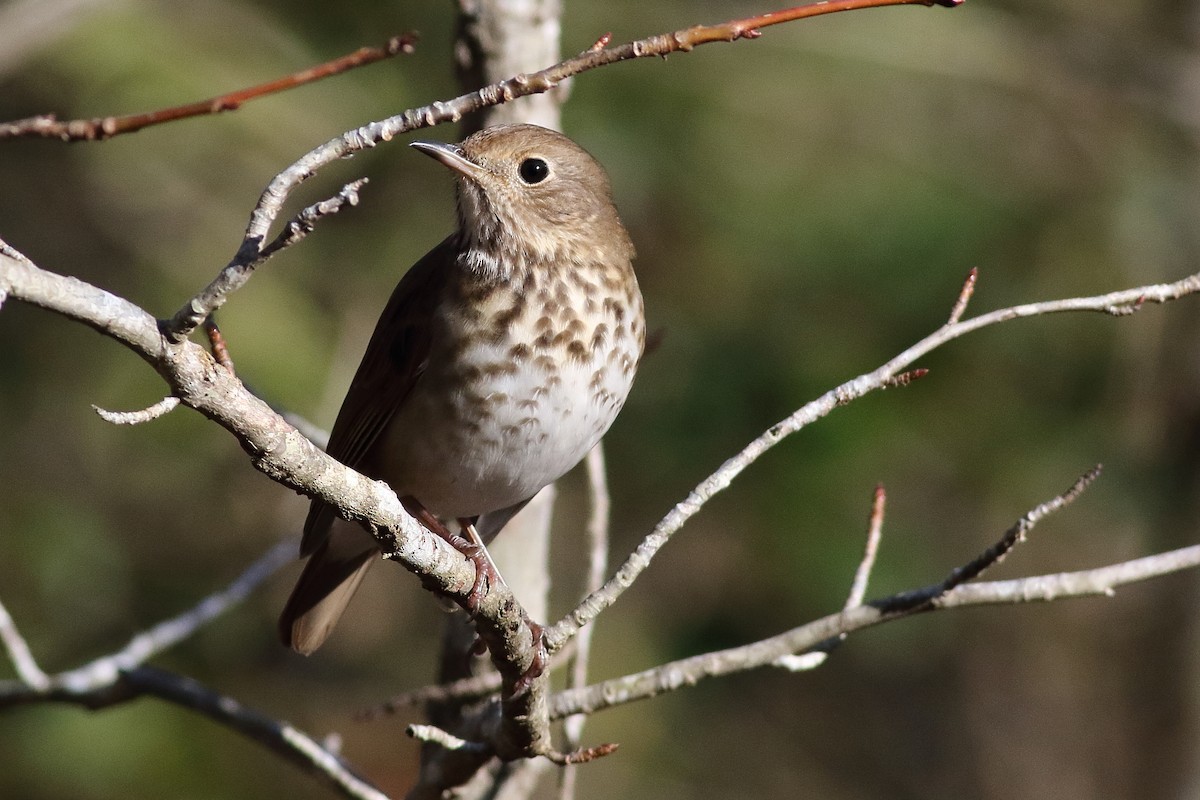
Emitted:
<point x="267" y="209"/>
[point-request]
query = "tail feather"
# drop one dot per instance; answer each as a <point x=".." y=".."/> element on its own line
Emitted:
<point x="332" y="575"/>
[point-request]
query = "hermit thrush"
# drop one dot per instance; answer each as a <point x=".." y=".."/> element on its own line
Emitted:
<point x="500" y="360"/>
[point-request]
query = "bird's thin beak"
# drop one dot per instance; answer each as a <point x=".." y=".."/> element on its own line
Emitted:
<point x="451" y="155"/>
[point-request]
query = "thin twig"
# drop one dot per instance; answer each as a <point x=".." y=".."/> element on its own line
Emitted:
<point x="998" y="551"/>
<point x="48" y="126"/>
<point x="250" y="257"/>
<point x="862" y="575"/>
<point x="464" y="690"/>
<point x="435" y="735"/>
<point x="964" y="296"/>
<point x="159" y="409"/>
<point x="294" y="745"/>
<point x="802" y="662"/>
<point x="1102" y="581"/>
<point x="597" y="547"/>
<point x="216" y="342"/>
<point x="868" y="382"/>
<point x="103" y="672"/>
<point x="269" y="205"/>
<point x="19" y="653"/>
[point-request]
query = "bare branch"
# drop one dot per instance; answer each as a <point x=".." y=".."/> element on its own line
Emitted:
<point x="249" y="254"/>
<point x="96" y="680"/>
<point x="463" y="690"/>
<point x="597" y="546"/>
<point x="122" y="676"/>
<point x="820" y="633"/>
<point x="217" y="344"/>
<point x="853" y="389"/>
<point x="159" y="409"/>
<point x="48" y="126"/>
<point x="435" y="735"/>
<point x="858" y="589"/>
<point x="303" y="223"/>
<point x="964" y="296"/>
<point x="294" y="745"/>
<point x="19" y="653"/>
<point x="802" y="662"/>
<point x="997" y="552"/>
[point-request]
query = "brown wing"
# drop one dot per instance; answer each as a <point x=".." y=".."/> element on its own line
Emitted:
<point x="394" y="361"/>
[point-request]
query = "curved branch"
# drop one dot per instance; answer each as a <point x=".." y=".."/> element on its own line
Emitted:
<point x="281" y="452"/>
<point x="250" y="252"/>
<point x="49" y="126"/>
<point x="818" y="634"/>
<point x="1120" y="304"/>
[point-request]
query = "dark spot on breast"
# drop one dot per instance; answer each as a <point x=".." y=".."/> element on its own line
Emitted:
<point x="519" y="352"/>
<point x="504" y="319"/>
<point x="577" y="350"/>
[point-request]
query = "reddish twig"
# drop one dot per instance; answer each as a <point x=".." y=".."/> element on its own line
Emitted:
<point x="273" y="197"/>
<point x="858" y="589"/>
<point x="601" y="43"/>
<point x="220" y="349"/>
<point x="964" y="295"/>
<point x="48" y="126"/>
<point x="905" y="378"/>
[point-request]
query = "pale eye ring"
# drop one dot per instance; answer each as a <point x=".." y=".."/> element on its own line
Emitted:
<point x="533" y="170"/>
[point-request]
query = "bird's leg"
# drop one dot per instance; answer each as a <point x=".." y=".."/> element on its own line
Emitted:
<point x="485" y="566"/>
<point x="434" y="525"/>
<point x="540" y="658"/>
<point x="471" y="547"/>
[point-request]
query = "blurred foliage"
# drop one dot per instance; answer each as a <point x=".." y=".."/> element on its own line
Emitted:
<point x="804" y="206"/>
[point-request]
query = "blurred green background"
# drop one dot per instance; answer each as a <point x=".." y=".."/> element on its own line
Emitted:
<point x="804" y="206"/>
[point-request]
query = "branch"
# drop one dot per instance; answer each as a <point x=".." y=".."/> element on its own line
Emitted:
<point x="597" y="541"/>
<point x="278" y="450"/>
<point x="280" y="737"/>
<point x="834" y="627"/>
<point x="159" y="409"/>
<point x="1117" y="304"/>
<point x="96" y="683"/>
<point x="249" y="254"/>
<point x="123" y="676"/>
<point x="48" y="126"/>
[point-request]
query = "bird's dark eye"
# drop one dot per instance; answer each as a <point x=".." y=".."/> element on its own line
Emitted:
<point x="534" y="170"/>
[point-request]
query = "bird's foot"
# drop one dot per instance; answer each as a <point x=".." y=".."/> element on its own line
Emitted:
<point x="540" y="658"/>
<point x="486" y="574"/>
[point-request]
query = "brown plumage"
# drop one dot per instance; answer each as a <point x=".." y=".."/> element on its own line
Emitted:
<point x="501" y="358"/>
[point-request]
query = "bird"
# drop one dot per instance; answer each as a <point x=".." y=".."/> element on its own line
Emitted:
<point x="500" y="360"/>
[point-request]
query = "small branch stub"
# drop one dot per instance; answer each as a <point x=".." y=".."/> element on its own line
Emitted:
<point x="159" y="409"/>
